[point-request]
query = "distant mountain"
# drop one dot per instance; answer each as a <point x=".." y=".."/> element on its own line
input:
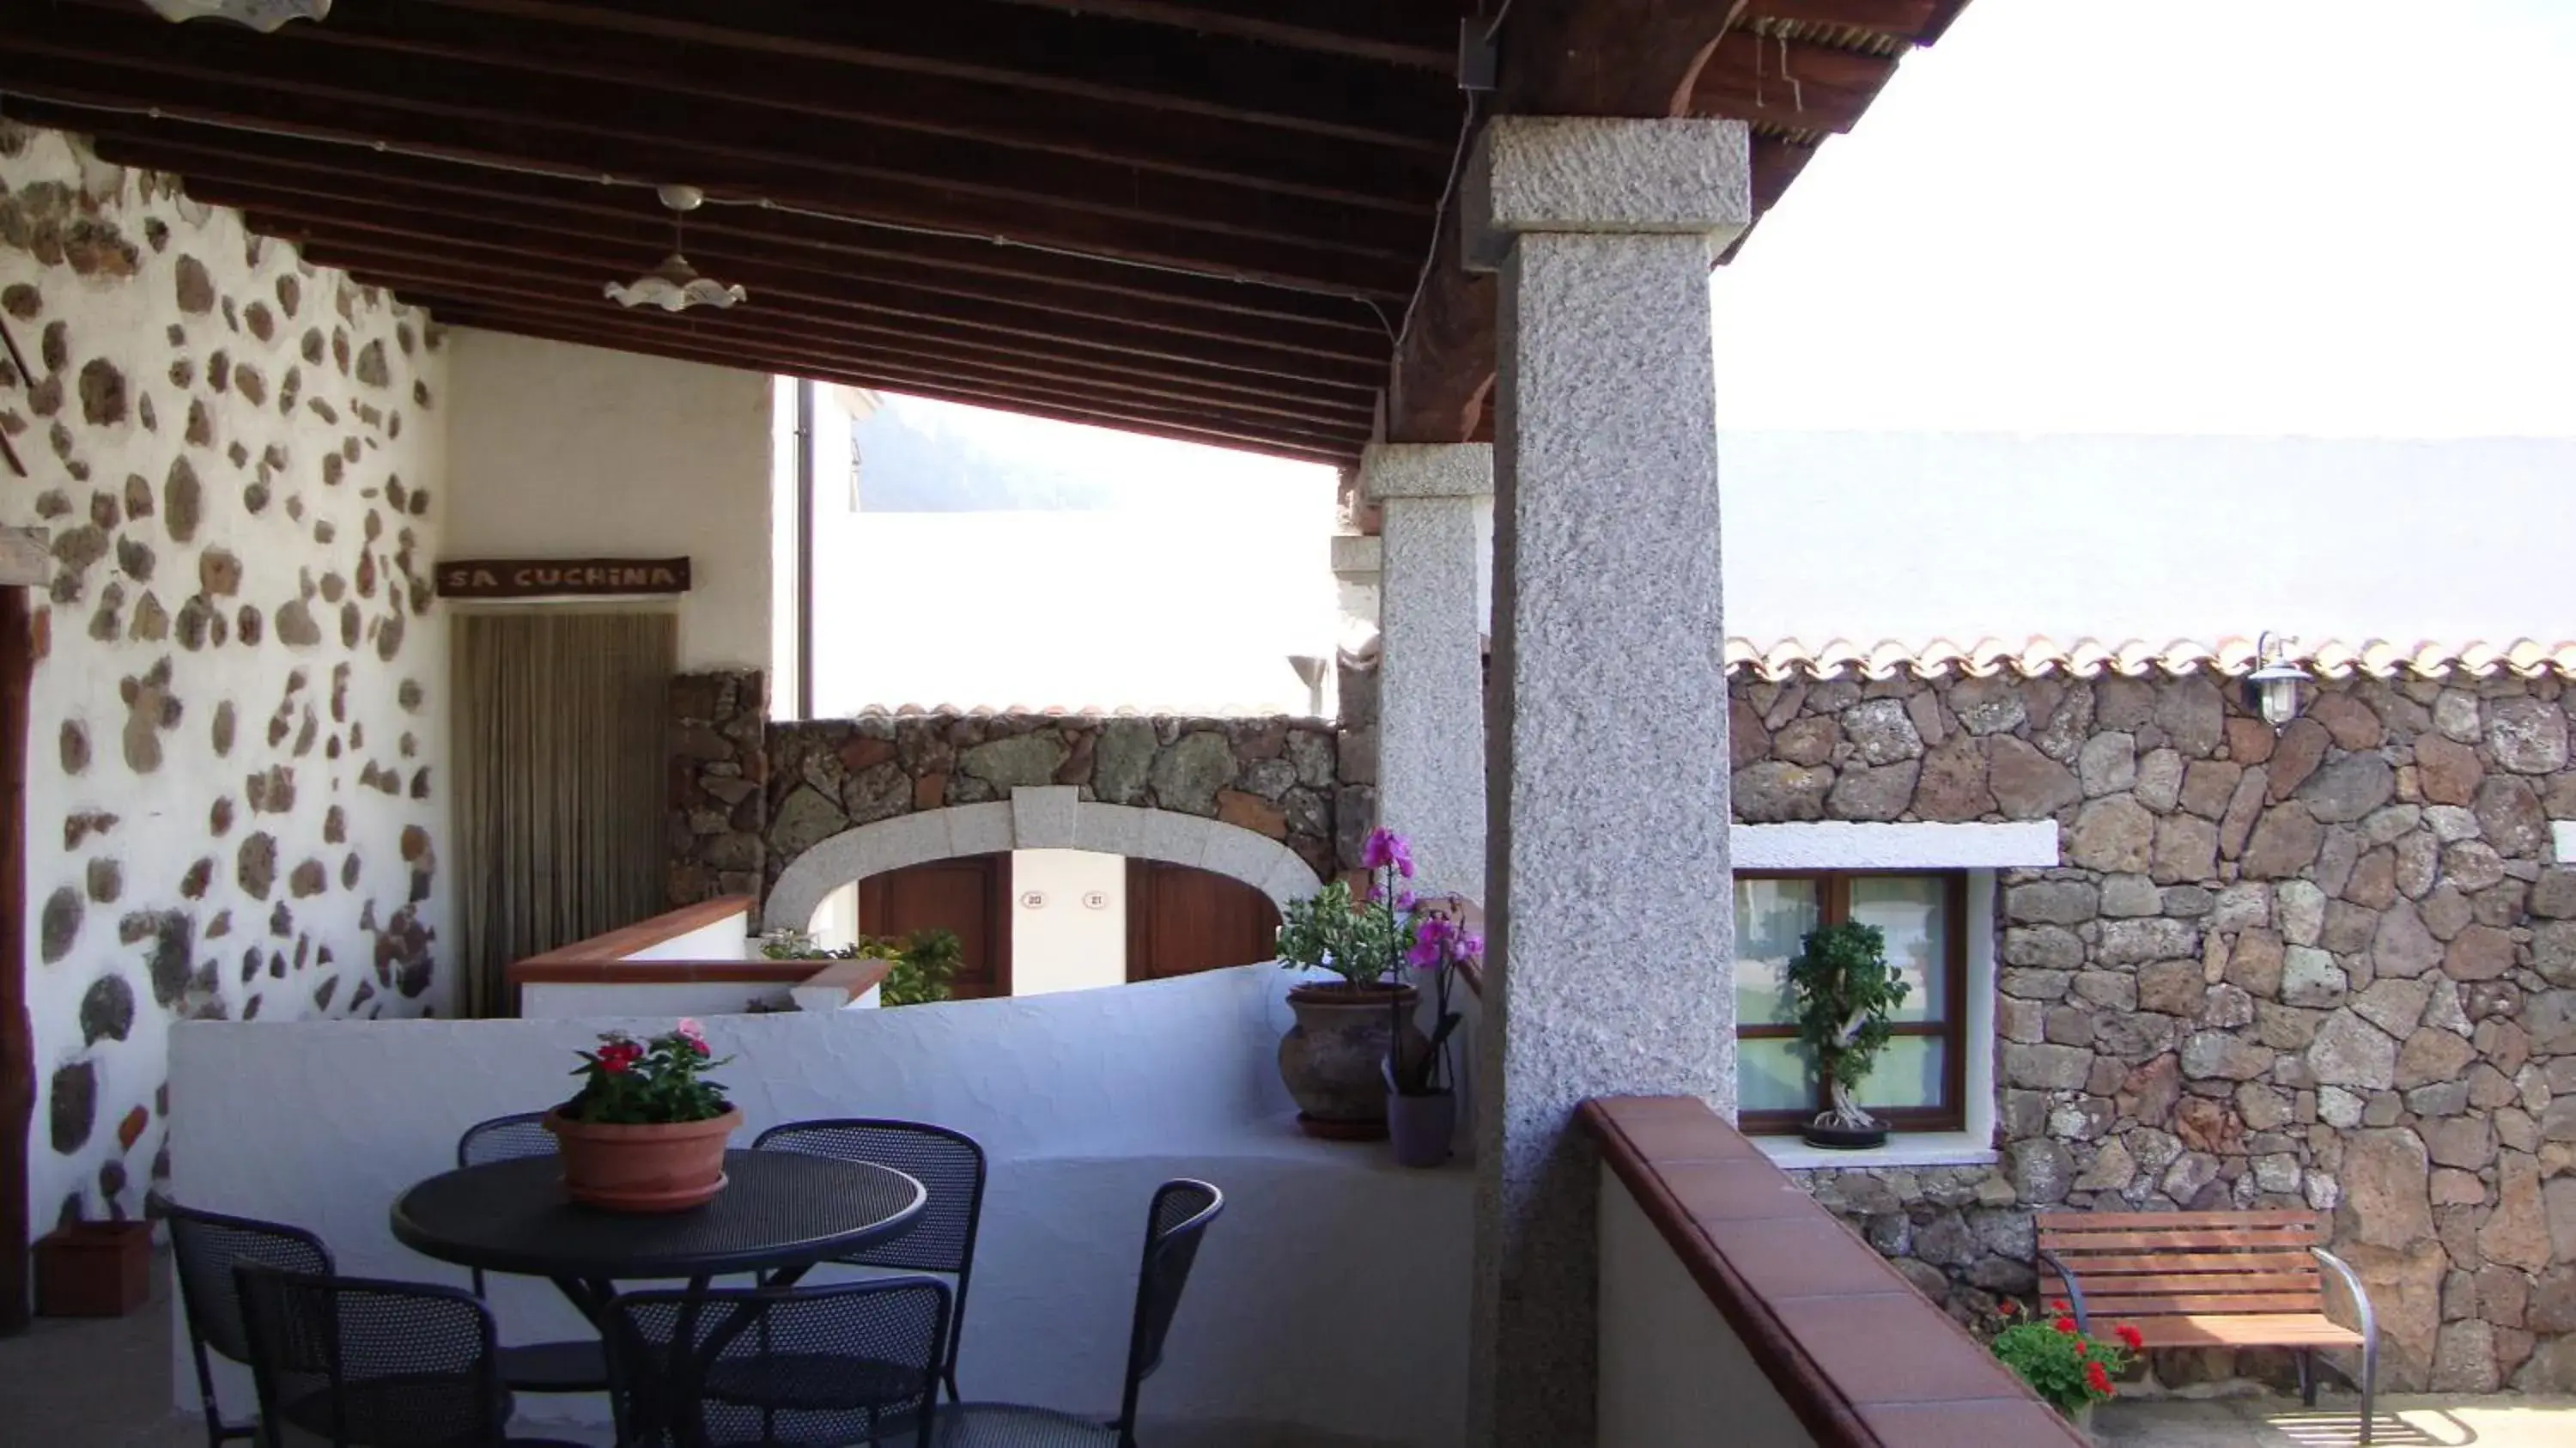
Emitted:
<point x="907" y="463"/>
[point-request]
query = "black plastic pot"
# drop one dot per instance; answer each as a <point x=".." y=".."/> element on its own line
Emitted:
<point x="1844" y="1138"/>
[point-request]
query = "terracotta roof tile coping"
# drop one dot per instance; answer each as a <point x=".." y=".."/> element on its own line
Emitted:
<point x="2087" y="658"/>
<point x="1862" y="1358"/>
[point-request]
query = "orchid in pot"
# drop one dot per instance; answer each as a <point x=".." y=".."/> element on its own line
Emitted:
<point x="1422" y="1116"/>
<point x="647" y="1130"/>
<point x="1355" y="1036"/>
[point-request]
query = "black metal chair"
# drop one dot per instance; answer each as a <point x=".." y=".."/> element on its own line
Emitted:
<point x="1180" y="1216"/>
<point x="845" y="1363"/>
<point x="950" y="1167"/>
<point x="537" y="1367"/>
<point x="204" y="1247"/>
<point x="353" y="1363"/>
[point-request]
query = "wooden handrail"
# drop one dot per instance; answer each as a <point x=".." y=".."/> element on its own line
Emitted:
<point x="1725" y="1211"/>
<point x="623" y="942"/>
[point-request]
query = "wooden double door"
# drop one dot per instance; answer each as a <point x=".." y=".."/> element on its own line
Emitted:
<point x="1180" y="920"/>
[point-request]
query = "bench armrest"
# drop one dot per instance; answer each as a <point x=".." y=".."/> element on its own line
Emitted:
<point x="2074" y="1291"/>
<point x="2369" y="1324"/>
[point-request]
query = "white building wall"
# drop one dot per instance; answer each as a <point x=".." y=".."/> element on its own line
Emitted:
<point x="1068" y="920"/>
<point x="574" y="451"/>
<point x="237" y="743"/>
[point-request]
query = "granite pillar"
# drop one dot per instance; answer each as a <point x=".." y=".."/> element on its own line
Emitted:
<point x="1431" y="704"/>
<point x="1610" y="906"/>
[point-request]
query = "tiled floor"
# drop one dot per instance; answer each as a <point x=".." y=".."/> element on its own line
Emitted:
<point x="2279" y="1422"/>
<point x="107" y="1385"/>
<point x="94" y="1384"/>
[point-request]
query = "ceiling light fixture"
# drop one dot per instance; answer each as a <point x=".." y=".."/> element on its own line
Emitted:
<point x="675" y="286"/>
<point x="260" y="15"/>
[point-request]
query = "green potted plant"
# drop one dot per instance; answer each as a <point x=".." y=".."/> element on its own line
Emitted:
<point x="923" y="962"/>
<point x="1334" y="1059"/>
<point x="2069" y="1370"/>
<point x="647" y="1130"/>
<point x="1843" y="993"/>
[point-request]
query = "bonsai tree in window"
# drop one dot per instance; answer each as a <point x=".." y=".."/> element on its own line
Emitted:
<point x="1843" y="991"/>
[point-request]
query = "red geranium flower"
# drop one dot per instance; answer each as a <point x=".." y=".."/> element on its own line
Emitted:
<point x="2066" y="1325"/>
<point x="2136" y="1340"/>
<point x="2098" y="1379"/>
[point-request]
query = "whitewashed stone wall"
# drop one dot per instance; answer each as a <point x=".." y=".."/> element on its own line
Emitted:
<point x="236" y="755"/>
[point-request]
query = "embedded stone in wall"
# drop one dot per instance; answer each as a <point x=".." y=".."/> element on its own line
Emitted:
<point x="58" y="926"/>
<point x="73" y="1098"/>
<point x="102" y="393"/>
<point x="255" y="865"/>
<point x="183" y="499"/>
<point x="106" y="1010"/>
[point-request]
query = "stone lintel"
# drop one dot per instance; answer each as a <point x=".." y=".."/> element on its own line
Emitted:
<point x="1427" y="470"/>
<point x="1356" y="556"/>
<point x="1042" y="816"/>
<point x="1604" y="175"/>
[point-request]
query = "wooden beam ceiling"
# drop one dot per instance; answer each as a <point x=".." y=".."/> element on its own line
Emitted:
<point x="361" y="178"/>
<point x="1205" y="219"/>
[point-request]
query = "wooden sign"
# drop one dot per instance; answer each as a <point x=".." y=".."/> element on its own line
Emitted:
<point x="560" y="577"/>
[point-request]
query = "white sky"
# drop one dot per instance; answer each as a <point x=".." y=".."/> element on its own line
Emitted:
<point x="2329" y="217"/>
<point x="2265" y="218"/>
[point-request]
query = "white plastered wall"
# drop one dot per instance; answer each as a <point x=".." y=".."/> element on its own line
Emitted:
<point x="564" y="451"/>
<point x="1330" y="1299"/>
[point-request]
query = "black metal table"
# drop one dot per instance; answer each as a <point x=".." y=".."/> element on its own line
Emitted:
<point x="780" y="1214"/>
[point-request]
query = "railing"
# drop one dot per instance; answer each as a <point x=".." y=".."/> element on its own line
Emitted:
<point x="1735" y="1310"/>
<point x="696" y="960"/>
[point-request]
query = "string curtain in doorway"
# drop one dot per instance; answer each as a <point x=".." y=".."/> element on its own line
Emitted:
<point x="560" y="732"/>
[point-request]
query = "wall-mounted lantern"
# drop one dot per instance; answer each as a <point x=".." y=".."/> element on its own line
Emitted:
<point x="260" y="15"/>
<point x="2272" y="690"/>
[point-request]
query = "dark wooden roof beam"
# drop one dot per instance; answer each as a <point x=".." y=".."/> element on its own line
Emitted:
<point x="1788" y="83"/>
<point x="1207" y="148"/>
<point x="606" y="127"/>
<point x="489" y="282"/>
<point x="774" y="337"/>
<point x="992" y="324"/>
<point x="625" y="243"/>
<point x="1181" y="426"/>
<point x="1901" y="19"/>
<point x="1229" y="72"/>
<point x="890" y="204"/>
<point x="1421" y="34"/>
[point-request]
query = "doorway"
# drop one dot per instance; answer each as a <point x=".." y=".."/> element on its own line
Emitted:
<point x="1182" y="920"/>
<point x="969" y="896"/>
<point x="17" y="1033"/>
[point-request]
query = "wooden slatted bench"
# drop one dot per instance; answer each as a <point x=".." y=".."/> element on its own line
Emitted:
<point x="2209" y="1279"/>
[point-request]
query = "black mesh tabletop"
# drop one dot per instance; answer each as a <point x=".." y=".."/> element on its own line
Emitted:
<point x="778" y="1210"/>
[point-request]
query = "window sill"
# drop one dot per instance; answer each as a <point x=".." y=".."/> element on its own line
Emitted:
<point x="1927" y="1148"/>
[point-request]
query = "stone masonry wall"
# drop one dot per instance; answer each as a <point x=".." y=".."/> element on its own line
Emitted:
<point x="749" y="796"/>
<point x="235" y="746"/>
<point x="2332" y="968"/>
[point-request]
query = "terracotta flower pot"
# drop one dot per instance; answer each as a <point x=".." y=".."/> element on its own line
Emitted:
<point x="1332" y="1059"/>
<point x="659" y="1168"/>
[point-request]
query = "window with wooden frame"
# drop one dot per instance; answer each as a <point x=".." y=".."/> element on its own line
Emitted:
<point x="1919" y="1082"/>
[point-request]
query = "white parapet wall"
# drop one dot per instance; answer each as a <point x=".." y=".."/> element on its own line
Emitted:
<point x="1331" y="1299"/>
